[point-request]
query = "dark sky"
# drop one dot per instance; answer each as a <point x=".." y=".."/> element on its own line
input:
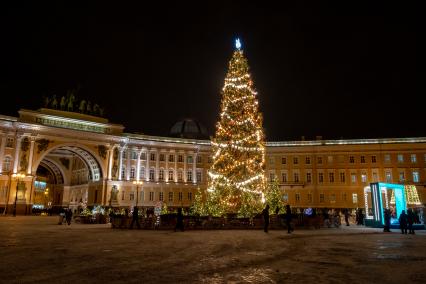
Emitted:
<point x="336" y="71"/>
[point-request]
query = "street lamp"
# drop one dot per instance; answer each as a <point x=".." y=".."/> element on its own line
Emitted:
<point x="18" y="177"/>
<point x="137" y="183"/>
<point x="46" y="193"/>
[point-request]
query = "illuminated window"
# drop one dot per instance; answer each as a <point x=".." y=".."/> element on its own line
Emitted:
<point x="199" y="176"/>
<point x="143" y="156"/>
<point x="180" y="159"/>
<point x="171" y="158"/>
<point x="189" y="176"/>
<point x="319" y="160"/>
<point x="297" y="197"/>
<point x="271" y="176"/>
<point x="295" y="160"/>
<point x="354" y="198"/>
<point x="142" y="173"/>
<point x="342" y="177"/>
<point x="132" y="172"/>
<point x="180" y="196"/>
<point x="170" y="196"/>
<point x="388" y="176"/>
<point x="132" y="196"/>
<point x="161" y="174"/>
<point x="353" y="177"/>
<point x="189" y="159"/>
<point x="401" y="176"/>
<point x="284" y="177"/>
<point x="6" y="164"/>
<point x="308" y="177"/>
<point x="307" y="160"/>
<point x="151" y="174"/>
<point x="285" y="197"/>
<point x="296" y="177"/>
<point x="283" y="160"/>
<point x="171" y="175"/>
<point x="400" y="158"/>
<point x="321" y="197"/>
<point x="151" y="196"/>
<point x="362" y="159"/>
<point x="416" y="177"/>
<point x="161" y="157"/>
<point x="373" y="159"/>
<point x="351" y="159"/>
<point x="134" y="155"/>
<point x="180" y="175"/>
<point x="123" y="171"/>
<point x="387" y="158"/>
<point x="199" y="159"/>
<point x="364" y="177"/>
<point x="413" y="158"/>
<point x="320" y="177"/>
<point x="9" y="142"/>
<point x="161" y="196"/>
<point x="375" y="177"/>
<point x="331" y="177"/>
<point x="152" y="157"/>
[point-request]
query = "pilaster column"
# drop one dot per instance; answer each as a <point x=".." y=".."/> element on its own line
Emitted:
<point x="138" y="166"/>
<point x="194" y="168"/>
<point x="30" y="159"/>
<point x="17" y="149"/>
<point x="148" y="156"/>
<point x="2" y="146"/>
<point x="120" y="163"/>
<point x="128" y="167"/>
<point x="110" y="161"/>
<point x="176" y="170"/>
<point x="184" y="167"/>
<point x="157" y="164"/>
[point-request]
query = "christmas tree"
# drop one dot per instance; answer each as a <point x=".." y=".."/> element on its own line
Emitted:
<point x="237" y="176"/>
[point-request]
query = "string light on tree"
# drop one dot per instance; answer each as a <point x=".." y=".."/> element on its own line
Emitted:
<point x="237" y="175"/>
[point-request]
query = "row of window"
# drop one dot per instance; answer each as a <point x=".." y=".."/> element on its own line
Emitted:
<point x="342" y="177"/>
<point x="352" y="160"/>
<point x="160" y="196"/>
<point x="321" y="197"/>
<point x="162" y="157"/>
<point x="161" y="174"/>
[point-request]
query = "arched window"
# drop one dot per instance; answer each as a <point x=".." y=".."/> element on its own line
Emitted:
<point x="6" y="164"/>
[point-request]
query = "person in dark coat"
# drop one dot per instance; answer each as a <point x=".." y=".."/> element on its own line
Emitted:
<point x="410" y="220"/>
<point x="360" y="217"/>
<point x="135" y="218"/>
<point x="347" y="214"/>
<point x="68" y="216"/>
<point x="265" y="214"/>
<point x="179" y="221"/>
<point x="288" y="218"/>
<point x="403" y="222"/>
<point x="387" y="217"/>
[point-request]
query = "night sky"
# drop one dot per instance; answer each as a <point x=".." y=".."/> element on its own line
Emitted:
<point x="336" y="71"/>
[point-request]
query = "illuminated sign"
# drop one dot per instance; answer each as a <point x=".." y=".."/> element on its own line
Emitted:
<point x="72" y="125"/>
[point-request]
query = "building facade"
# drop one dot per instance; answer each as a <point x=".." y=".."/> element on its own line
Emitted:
<point x="52" y="158"/>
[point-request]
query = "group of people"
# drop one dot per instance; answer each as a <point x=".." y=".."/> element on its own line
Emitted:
<point x="406" y="221"/>
<point x="66" y="215"/>
<point x="288" y="217"/>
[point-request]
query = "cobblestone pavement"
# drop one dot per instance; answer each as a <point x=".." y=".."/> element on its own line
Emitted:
<point x="36" y="249"/>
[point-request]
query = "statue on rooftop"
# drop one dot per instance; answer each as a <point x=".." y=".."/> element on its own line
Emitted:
<point x="46" y="102"/>
<point x="89" y="107"/>
<point x="54" y="103"/>
<point x="82" y="106"/>
<point x="96" y="109"/>
<point x="71" y="102"/>
<point x="63" y="103"/>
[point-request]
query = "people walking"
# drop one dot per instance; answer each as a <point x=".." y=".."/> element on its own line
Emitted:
<point x="387" y="217"/>
<point x="135" y="218"/>
<point x="410" y="220"/>
<point x="360" y="217"/>
<point x="347" y="215"/>
<point x="265" y="214"/>
<point x="288" y="217"/>
<point x="403" y="222"/>
<point x="179" y="221"/>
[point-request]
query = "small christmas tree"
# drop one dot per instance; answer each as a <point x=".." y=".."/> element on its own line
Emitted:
<point x="237" y="177"/>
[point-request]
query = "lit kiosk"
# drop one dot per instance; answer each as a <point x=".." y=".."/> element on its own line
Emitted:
<point x="379" y="196"/>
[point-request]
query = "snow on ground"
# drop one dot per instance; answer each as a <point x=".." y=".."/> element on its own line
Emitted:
<point x="36" y="249"/>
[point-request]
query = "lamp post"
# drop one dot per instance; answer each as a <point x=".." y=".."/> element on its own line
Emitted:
<point x="18" y="178"/>
<point x="137" y="183"/>
<point x="46" y="193"/>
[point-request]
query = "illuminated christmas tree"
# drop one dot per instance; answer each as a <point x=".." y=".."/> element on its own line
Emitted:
<point x="237" y="176"/>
